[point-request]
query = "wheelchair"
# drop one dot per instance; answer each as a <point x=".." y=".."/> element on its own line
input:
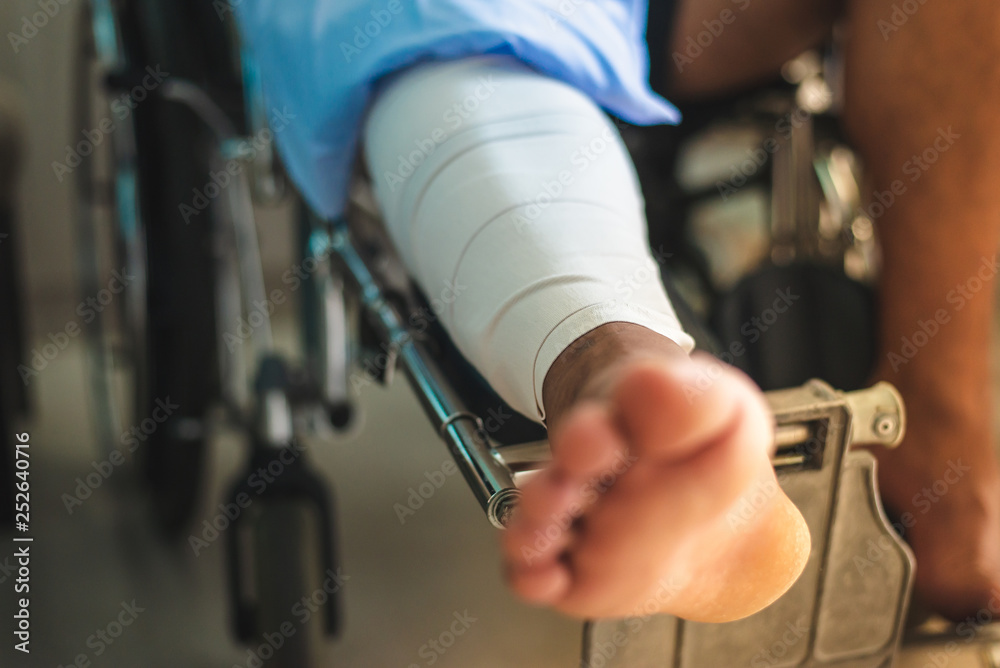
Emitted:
<point x="172" y="200"/>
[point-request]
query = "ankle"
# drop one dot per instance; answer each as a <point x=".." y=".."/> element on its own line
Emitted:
<point x="589" y="366"/>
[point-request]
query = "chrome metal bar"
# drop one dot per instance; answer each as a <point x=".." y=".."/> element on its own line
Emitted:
<point x="490" y="480"/>
<point x="790" y="434"/>
<point x="533" y="456"/>
<point x="251" y="265"/>
<point x="336" y="358"/>
<point x="525" y="456"/>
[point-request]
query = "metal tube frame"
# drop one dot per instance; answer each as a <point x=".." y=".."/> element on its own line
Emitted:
<point x="490" y="480"/>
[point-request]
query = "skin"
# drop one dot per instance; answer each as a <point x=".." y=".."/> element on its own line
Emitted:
<point x="940" y="70"/>
<point x="902" y="88"/>
<point x="652" y="451"/>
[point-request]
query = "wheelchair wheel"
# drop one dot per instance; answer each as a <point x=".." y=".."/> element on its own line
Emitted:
<point x="153" y="349"/>
<point x="285" y="577"/>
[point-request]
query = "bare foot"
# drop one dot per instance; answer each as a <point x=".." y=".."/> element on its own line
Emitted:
<point x="635" y="513"/>
<point x="942" y="487"/>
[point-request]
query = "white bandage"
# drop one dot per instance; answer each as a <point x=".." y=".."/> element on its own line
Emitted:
<point x="511" y="196"/>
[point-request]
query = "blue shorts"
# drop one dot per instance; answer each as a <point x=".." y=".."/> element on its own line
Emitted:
<point x="321" y="60"/>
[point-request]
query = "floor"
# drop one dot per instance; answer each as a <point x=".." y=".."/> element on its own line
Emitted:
<point x="403" y="583"/>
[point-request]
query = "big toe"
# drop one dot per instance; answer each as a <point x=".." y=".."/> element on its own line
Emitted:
<point x="672" y="411"/>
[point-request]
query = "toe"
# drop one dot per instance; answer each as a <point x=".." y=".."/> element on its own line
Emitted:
<point x="527" y="546"/>
<point x="546" y="498"/>
<point x="588" y="442"/>
<point x="544" y="585"/>
<point x="672" y="411"/>
<point x="587" y="447"/>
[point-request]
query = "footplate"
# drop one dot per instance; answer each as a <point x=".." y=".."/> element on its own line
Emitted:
<point x="848" y="607"/>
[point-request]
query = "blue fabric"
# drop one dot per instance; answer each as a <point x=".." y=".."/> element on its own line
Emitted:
<point x="320" y="60"/>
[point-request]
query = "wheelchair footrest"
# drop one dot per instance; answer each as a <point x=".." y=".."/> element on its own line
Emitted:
<point x="848" y="608"/>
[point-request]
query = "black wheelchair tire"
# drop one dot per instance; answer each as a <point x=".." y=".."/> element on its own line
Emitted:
<point x="284" y="578"/>
<point x="173" y="162"/>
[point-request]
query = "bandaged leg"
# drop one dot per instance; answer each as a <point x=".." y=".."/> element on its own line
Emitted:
<point x="515" y="192"/>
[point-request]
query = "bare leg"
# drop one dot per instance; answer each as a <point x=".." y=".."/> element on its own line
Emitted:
<point x="907" y="91"/>
<point x="929" y="86"/>
<point x="756" y="39"/>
